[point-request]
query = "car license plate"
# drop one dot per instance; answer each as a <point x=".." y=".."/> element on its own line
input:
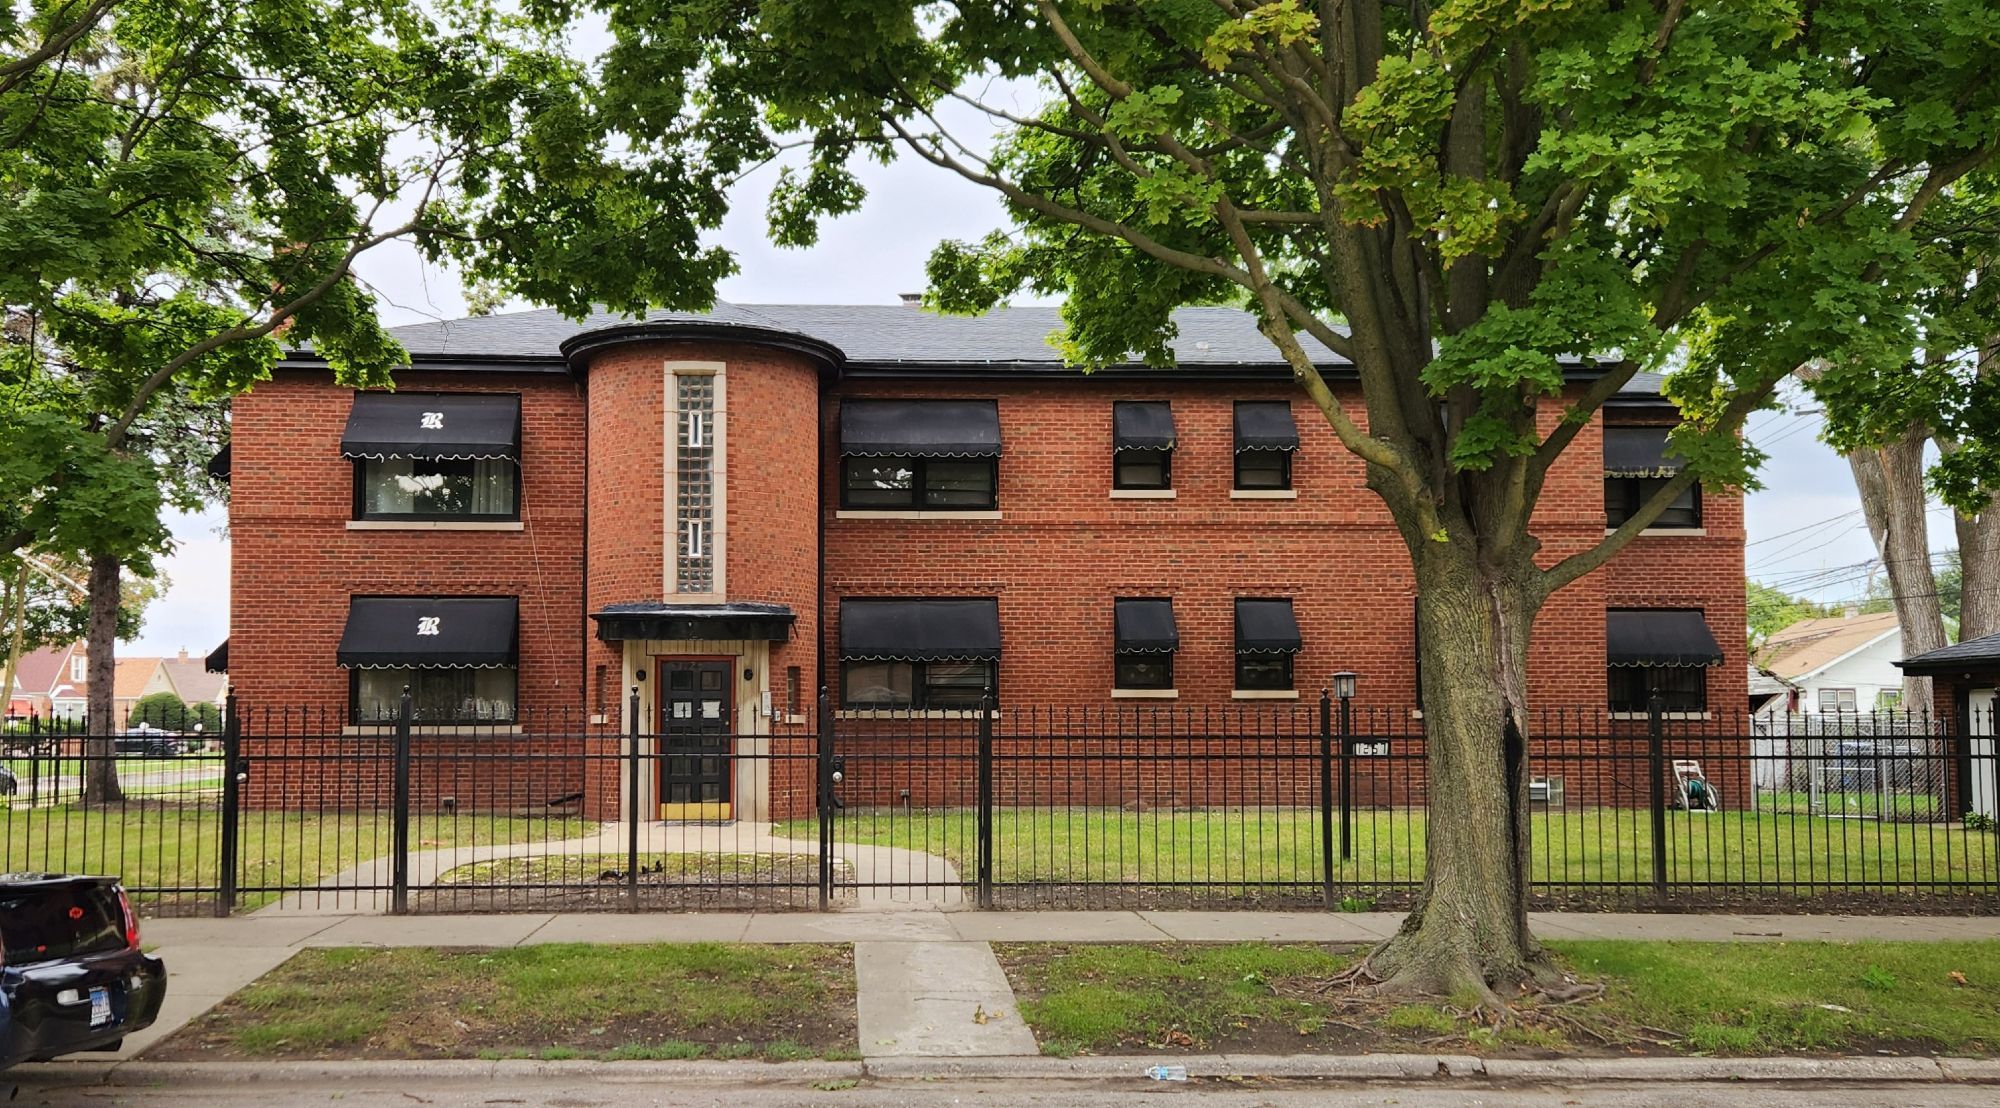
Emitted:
<point x="100" y="1006"/>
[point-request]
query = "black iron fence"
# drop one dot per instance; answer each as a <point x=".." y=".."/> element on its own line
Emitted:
<point x="1313" y="804"/>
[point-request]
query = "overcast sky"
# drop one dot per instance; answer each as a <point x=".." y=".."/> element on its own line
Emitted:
<point x="1805" y="529"/>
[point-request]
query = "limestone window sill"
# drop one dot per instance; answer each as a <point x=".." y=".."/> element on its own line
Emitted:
<point x="897" y="513"/>
<point x="1263" y="494"/>
<point x="1145" y="494"/>
<point x="1264" y="694"/>
<point x="1684" y="716"/>
<point x="1145" y="694"/>
<point x="434" y="525"/>
<point x="1684" y="532"/>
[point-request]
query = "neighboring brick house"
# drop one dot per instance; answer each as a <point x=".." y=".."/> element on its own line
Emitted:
<point x="730" y="510"/>
<point x="50" y="683"/>
<point x="1965" y="699"/>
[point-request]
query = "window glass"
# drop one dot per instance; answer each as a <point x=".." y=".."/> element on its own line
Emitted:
<point x="438" y="488"/>
<point x="1144" y="671"/>
<point x="1625" y="495"/>
<point x="950" y="484"/>
<point x="958" y="484"/>
<point x="955" y="684"/>
<point x="1838" y="700"/>
<point x="459" y="695"/>
<point x="914" y="684"/>
<point x="878" y="684"/>
<point x="1264" y="469"/>
<point x="1263" y="671"/>
<point x="1681" y="688"/>
<point x="880" y="482"/>
<point x="1142" y="469"/>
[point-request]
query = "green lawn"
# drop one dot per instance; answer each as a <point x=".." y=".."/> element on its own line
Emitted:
<point x="552" y="1001"/>
<point x="161" y="847"/>
<point x="1708" y="998"/>
<point x="1063" y="845"/>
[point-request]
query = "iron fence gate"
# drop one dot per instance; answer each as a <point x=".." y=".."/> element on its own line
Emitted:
<point x="1321" y="805"/>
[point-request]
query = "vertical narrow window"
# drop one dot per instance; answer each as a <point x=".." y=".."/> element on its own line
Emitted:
<point x="794" y="689"/>
<point x="694" y="486"/>
<point x="597" y="692"/>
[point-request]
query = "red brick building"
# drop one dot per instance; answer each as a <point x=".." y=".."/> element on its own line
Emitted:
<point x="728" y="511"/>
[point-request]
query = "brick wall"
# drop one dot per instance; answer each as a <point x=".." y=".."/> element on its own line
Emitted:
<point x="1061" y="552"/>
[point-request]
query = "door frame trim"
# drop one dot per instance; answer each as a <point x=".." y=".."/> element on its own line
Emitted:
<point x="703" y="810"/>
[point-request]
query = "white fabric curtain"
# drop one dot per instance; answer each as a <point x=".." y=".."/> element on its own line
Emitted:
<point x="493" y="487"/>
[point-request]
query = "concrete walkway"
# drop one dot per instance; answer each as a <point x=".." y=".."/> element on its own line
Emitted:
<point x="927" y="982"/>
<point x="875" y="878"/>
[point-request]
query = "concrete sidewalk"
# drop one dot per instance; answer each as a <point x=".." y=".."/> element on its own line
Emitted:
<point x="911" y="993"/>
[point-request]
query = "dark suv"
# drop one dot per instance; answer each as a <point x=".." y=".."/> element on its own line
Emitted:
<point x="75" y="978"/>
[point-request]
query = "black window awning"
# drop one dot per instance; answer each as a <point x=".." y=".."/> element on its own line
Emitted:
<point x="433" y="425"/>
<point x="218" y="659"/>
<point x="1146" y="626"/>
<point x="1659" y="637"/>
<point x="920" y="428"/>
<point x="1265" y="425"/>
<point x="736" y="620"/>
<point x="1142" y="425"/>
<point x="1639" y="452"/>
<point x="919" y="630"/>
<point x="451" y="632"/>
<point x="1266" y="627"/>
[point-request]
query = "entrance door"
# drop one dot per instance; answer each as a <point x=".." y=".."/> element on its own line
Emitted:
<point x="695" y="736"/>
<point x="1980" y="745"/>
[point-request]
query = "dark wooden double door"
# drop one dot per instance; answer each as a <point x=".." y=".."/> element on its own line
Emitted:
<point x="695" y="737"/>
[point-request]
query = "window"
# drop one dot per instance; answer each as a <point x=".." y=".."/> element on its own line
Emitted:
<point x="437" y="488"/>
<point x="1264" y="469"/>
<point x="1142" y="444"/>
<point x="1148" y="670"/>
<point x="1266" y="436"/>
<point x="794" y="690"/>
<point x="1681" y="688"/>
<point x="1838" y="700"/>
<point x="79" y="667"/>
<point x="936" y="484"/>
<point x="1623" y="496"/>
<point x="1637" y="461"/>
<point x="1888" y="700"/>
<point x="916" y="685"/>
<point x="1143" y="469"/>
<point x="458" y="695"/>
<point x="1144" y="638"/>
<point x="694" y="481"/>
<point x="1267" y="639"/>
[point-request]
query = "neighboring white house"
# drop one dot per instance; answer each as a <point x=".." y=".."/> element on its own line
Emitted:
<point x="1840" y="664"/>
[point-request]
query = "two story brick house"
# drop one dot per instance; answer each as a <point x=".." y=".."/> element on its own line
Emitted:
<point x="729" y="511"/>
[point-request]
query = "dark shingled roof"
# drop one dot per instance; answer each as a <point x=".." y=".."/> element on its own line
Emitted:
<point x="869" y="334"/>
<point x="1972" y="654"/>
<point x="882" y="337"/>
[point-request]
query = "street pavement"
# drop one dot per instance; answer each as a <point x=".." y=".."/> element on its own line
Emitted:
<point x="608" y="1090"/>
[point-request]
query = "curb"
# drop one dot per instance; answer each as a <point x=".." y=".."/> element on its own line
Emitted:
<point x="1361" y="1067"/>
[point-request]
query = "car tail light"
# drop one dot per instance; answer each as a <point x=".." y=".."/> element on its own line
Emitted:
<point x="131" y="919"/>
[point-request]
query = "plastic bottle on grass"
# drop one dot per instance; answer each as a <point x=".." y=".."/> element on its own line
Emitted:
<point x="1167" y="1073"/>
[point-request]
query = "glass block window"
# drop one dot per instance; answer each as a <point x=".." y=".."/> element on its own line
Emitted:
<point x="694" y="483"/>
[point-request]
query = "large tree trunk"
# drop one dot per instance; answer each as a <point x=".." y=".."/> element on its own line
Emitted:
<point x="1891" y="480"/>
<point x="1468" y="933"/>
<point x="1979" y="573"/>
<point x="100" y="771"/>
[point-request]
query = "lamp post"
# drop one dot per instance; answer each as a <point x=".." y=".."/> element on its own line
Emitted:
<point x="1343" y="690"/>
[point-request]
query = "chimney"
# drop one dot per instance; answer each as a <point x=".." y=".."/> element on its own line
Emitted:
<point x="184" y="654"/>
<point x="912" y="299"/>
